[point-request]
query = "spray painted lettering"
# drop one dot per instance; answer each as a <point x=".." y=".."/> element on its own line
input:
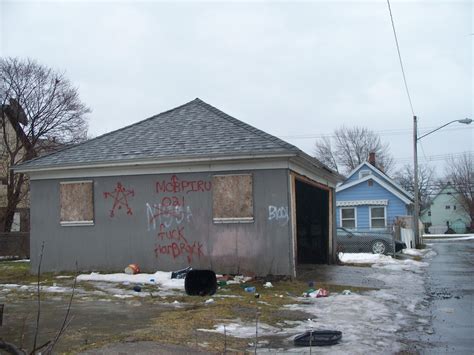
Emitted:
<point x="279" y="214"/>
<point x="175" y="185"/>
<point x="174" y="244"/>
<point x="167" y="213"/>
<point x="120" y="196"/>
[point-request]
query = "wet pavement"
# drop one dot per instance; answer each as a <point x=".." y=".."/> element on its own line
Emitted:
<point x="354" y="276"/>
<point x="450" y="289"/>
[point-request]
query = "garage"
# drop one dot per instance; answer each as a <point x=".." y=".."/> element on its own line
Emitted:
<point x="312" y="223"/>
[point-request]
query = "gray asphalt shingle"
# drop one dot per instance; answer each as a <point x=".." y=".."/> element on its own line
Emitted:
<point x="195" y="130"/>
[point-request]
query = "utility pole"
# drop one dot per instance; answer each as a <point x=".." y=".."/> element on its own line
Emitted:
<point x="416" y="207"/>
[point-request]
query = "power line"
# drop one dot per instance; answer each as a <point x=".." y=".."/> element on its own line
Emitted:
<point x="386" y="132"/>
<point x="436" y="157"/>
<point x="400" y="57"/>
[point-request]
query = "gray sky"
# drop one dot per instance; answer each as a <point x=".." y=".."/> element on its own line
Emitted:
<point x="296" y="70"/>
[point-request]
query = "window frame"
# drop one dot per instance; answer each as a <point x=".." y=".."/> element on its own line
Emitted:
<point x="341" y="220"/>
<point x="78" y="222"/>
<point x="230" y="220"/>
<point x="384" y="217"/>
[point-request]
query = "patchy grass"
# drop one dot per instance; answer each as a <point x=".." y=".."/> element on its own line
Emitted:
<point x="170" y="324"/>
<point x="19" y="273"/>
<point x="178" y="325"/>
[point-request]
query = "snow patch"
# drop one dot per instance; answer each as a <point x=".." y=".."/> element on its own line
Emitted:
<point x="161" y="278"/>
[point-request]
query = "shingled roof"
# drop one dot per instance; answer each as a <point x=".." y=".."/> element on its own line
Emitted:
<point x="193" y="130"/>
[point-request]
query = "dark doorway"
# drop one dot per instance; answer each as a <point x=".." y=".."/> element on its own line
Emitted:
<point x="312" y="224"/>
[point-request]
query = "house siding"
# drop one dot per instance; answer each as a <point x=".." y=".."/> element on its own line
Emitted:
<point x="162" y="241"/>
<point x="355" y="176"/>
<point x="363" y="191"/>
<point x="440" y="216"/>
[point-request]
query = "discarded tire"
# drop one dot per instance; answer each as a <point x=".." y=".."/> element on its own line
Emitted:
<point x="318" y="338"/>
<point x="200" y="282"/>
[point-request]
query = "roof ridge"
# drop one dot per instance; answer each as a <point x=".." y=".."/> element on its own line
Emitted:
<point x="246" y="126"/>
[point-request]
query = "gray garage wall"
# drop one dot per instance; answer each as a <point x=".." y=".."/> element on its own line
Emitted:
<point x="157" y="238"/>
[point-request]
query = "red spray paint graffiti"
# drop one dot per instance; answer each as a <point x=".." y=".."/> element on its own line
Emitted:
<point x="171" y="215"/>
<point x="175" y="185"/>
<point x="120" y="196"/>
<point x="176" y="245"/>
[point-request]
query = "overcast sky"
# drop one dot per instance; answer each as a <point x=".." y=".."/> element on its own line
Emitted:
<point x="295" y="70"/>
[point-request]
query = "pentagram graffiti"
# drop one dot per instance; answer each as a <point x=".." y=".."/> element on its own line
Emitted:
<point x="120" y="196"/>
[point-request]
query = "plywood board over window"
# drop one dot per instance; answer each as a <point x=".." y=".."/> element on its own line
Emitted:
<point x="232" y="198"/>
<point x="76" y="200"/>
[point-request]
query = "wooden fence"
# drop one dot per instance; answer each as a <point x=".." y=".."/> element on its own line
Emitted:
<point x="14" y="245"/>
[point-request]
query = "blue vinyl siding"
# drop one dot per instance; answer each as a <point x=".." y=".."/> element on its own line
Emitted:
<point x="356" y="175"/>
<point x="363" y="191"/>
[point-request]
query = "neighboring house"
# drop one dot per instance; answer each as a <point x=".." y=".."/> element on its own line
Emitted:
<point x="13" y="118"/>
<point x="190" y="186"/>
<point x="368" y="199"/>
<point x="11" y="115"/>
<point x="445" y="211"/>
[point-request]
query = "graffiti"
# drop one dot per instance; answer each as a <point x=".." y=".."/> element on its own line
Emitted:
<point x="171" y="215"/>
<point x="176" y="245"/>
<point x="279" y="214"/>
<point x="175" y="185"/>
<point x="167" y="213"/>
<point x="120" y="196"/>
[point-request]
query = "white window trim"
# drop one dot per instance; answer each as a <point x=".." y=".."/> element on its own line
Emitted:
<point x="76" y="223"/>
<point x="385" y="216"/>
<point x="355" y="216"/>
<point x="364" y="173"/>
<point x="76" y="182"/>
<point x="361" y="202"/>
<point x="233" y="220"/>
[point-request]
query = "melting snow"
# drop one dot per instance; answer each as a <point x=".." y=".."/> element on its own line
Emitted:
<point x="161" y="278"/>
<point x="371" y="322"/>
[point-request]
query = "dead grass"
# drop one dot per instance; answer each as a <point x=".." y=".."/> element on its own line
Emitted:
<point x="19" y="273"/>
<point x="179" y="325"/>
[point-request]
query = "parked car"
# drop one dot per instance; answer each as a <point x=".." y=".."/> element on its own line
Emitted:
<point x="376" y="242"/>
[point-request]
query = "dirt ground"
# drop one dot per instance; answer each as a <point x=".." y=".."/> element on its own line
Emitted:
<point x="151" y="318"/>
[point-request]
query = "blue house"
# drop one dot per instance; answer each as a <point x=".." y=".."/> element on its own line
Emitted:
<point x="369" y="199"/>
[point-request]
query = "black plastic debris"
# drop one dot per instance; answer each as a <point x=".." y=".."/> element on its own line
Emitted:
<point x="318" y="338"/>
<point x="180" y="274"/>
<point x="200" y="282"/>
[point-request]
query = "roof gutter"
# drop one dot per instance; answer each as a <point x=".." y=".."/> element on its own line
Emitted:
<point x="151" y="162"/>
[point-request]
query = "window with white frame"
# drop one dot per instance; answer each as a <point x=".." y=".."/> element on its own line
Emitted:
<point x="378" y="217"/>
<point x="348" y="217"/>
<point x="364" y="173"/>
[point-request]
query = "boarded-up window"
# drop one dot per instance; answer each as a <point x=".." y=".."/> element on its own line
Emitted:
<point x="232" y="198"/>
<point x="76" y="203"/>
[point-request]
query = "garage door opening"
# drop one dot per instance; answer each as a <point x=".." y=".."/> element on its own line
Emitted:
<point x="312" y="224"/>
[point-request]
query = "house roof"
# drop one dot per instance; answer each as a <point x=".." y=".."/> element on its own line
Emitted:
<point x="379" y="172"/>
<point x="195" y="130"/>
<point x="382" y="182"/>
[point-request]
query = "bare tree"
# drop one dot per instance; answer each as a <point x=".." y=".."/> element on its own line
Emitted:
<point x="40" y="110"/>
<point x="426" y="182"/>
<point x="350" y="147"/>
<point x="460" y="172"/>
